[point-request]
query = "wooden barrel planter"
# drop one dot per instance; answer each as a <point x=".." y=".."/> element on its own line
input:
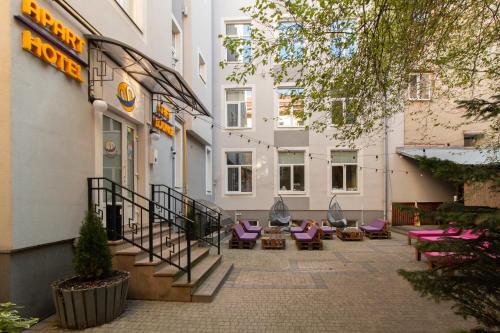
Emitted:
<point x="79" y="305"/>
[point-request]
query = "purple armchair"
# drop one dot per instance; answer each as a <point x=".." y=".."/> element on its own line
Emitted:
<point x="299" y="229"/>
<point x="310" y="240"/>
<point x="377" y="229"/>
<point x="251" y="228"/>
<point x="241" y="239"/>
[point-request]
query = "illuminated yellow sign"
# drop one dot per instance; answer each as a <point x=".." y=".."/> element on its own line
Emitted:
<point x="45" y="19"/>
<point x="47" y="52"/>
<point x="126" y="96"/>
<point x="163" y="112"/>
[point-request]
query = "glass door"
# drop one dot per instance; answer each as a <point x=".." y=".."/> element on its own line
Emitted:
<point x="119" y="152"/>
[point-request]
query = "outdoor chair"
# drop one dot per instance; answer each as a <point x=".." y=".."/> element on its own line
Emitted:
<point x="451" y="231"/>
<point x="310" y="240"/>
<point x="241" y="239"/>
<point x="467" y="234"/>
<point x="251" y="228"/>
<point x="299" y="229"/>
<point x="377" y="229"/>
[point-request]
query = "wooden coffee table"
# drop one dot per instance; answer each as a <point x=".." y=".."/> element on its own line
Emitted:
<point x="350" y="234"/>
<point x="273" y="241"/>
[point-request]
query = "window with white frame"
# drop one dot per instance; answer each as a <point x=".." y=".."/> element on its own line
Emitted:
<point x="419" y="87"/>
<point x="239" y="31"/>
<point x="176" y="47"/>
<point x="344" y="170"/>
<point x="133" y="9"/>
<point x="208" y="170"/>
<point x="343" y="44"/>
<point x="239" y="172"/>
<point x="294" y="47"/>
<point x="202" y="68"/>
<point x="341" y="113"/>
<point x="239" y="108"/>
<point x="290" y="107"/>
<point x="291" y="171"/>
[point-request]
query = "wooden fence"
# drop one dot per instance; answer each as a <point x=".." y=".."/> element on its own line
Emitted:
<point x="400" y="216"/>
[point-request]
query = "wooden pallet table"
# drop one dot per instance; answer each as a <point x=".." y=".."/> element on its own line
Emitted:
<point x="275" y="241"/>
<point x="350" y="234"/>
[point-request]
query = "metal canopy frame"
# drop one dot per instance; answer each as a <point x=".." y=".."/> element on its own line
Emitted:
<point x="156" y="78"/>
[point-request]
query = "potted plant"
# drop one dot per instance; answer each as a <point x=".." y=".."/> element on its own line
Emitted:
<point x="97" y="294"/>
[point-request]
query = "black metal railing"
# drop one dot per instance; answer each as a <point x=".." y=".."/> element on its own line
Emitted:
<point x="128" y="215"/>
<point x="206" y="220"/>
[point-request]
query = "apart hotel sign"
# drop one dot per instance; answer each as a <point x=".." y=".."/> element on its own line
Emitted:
<point x="64" y="56"/>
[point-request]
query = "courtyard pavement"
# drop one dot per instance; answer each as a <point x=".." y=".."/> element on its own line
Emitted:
<point x="347" y="287"/>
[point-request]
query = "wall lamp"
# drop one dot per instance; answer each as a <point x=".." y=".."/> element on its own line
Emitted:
<point x="99" y="105"/>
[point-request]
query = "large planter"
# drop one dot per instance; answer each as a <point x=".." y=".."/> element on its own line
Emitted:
<point x="82" y="307"/>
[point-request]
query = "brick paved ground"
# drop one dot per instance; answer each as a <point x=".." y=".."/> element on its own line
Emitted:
<point x="347" y="287"/>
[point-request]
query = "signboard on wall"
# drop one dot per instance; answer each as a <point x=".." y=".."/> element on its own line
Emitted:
<point x="51" y="40"/>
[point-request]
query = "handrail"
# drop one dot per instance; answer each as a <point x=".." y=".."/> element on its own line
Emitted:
<point x="165" y="195"/>
<point x="125" y="202"/>
<point x="183" y="195"/>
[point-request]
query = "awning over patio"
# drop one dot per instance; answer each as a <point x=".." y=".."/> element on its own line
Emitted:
<point x="469" y="156"/>
<point x="158" y="79"/>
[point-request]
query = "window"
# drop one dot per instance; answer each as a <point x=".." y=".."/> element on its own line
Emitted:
<point x="290" y="114"/>
<point x="239" y="108"/>
<point x="133" y="9"/>
<point x="419" y="87"/>
<point x="472" y="139"/>
<point x="239" y="31"/>
<point x="202" y="68"/>
<point x="294" y="49"/>
<point x="239" y="172"/>
<point x="176" y="47"/>
<point x="343" y="42"/>
<point x="208" y="170"/>
<point x="292" y="171"/>
<point x="344" y="170"/>
<point x="341" y="113"/>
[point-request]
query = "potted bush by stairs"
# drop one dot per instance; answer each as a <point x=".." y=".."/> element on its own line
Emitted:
<point x="97" y="294"/>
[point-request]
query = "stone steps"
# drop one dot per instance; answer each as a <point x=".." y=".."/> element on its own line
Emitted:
<point x="206" y="292"/>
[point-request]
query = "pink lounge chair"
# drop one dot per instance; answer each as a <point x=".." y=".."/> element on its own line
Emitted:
<point x="451" y="231"/>
<point x="467" y="234"/>
<point x="435" y="258"/>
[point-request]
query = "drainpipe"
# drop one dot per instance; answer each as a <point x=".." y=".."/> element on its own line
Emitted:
<point x="386" y="169"/>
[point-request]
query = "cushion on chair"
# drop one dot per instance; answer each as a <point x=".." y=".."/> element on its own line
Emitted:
<point x="312" y="231"/>
<point x="327" y="230"/>
<point x="302" y="236"/>
<point x="378" y="224"/>
<point x="251" y="228"/>
<point x="369" y="228"/>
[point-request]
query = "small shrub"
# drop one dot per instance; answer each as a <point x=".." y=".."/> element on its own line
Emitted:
<point x="11" y="321"/>
<point x="92" y="257"/>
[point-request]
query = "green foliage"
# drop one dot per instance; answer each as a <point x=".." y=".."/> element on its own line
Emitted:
<point x="11" y="321"/>
<point x="92" y="256"/>
<point x="364" y="50"/>
<point x="460" y="174"/>
<point x="471" y="278"/>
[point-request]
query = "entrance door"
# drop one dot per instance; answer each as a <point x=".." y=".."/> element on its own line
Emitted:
<point x="119" y="152"/>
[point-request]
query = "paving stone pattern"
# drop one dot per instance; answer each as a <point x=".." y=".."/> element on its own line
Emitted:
<point x="347" y="287"/>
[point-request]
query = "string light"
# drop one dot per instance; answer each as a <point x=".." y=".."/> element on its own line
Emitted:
<point x="249" y="139"/>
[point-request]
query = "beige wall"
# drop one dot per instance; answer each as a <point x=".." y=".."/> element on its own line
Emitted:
<point x="5" y="133"/>
<point x="481" y="194"/>
<point x="438" y="121"/>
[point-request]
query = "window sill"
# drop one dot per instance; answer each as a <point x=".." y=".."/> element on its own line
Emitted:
<point x="293" y="194"/>
<point x="344" y="192"/>
<point x="237" y="128"/>
<point x="238" y="193"/>
<point x="420" y="99"/>
<point x="296" y="128"/>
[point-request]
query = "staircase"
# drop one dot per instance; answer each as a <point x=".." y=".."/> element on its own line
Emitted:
<point x="170" y="244"/>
